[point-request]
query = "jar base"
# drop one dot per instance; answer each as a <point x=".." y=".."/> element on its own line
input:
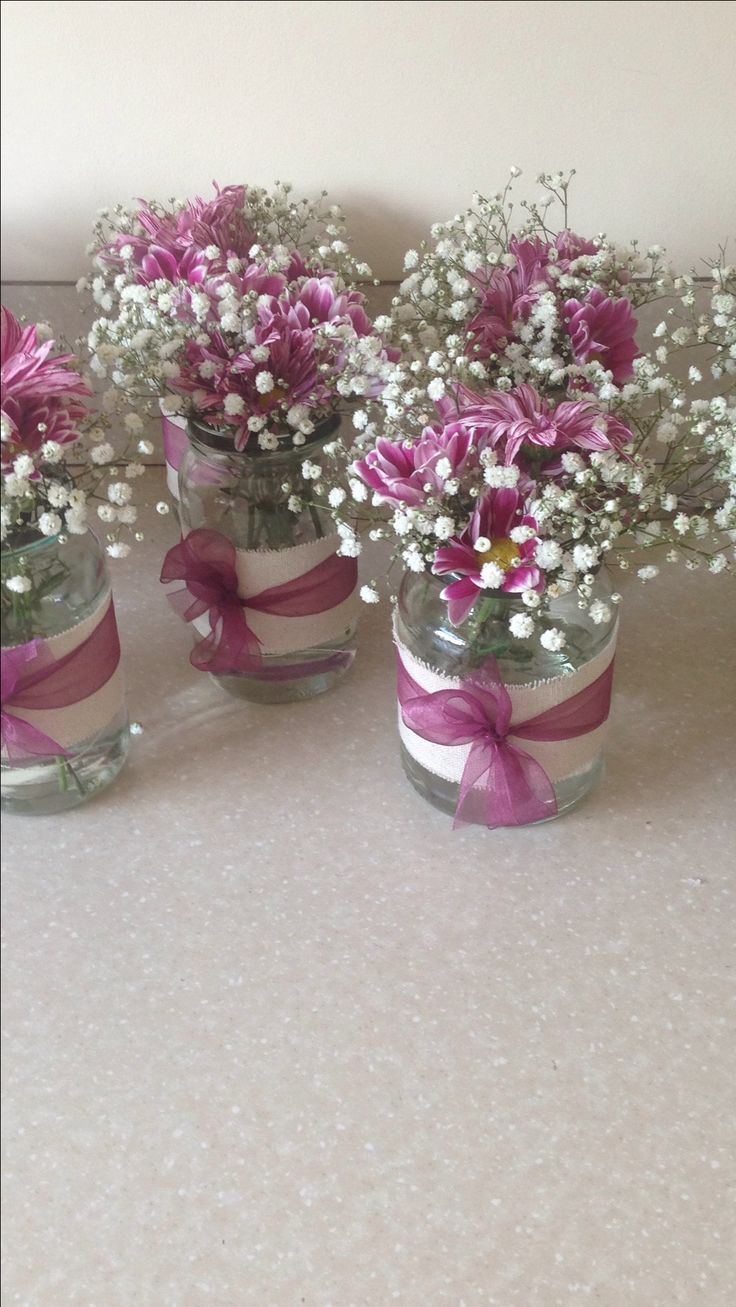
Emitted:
<point x="45" y="787"/>
<point x="443" y="794"/>
<point x="276" y="685"/>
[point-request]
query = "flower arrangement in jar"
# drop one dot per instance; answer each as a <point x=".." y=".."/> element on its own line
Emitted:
<point x="522" y="448"/>
<point x="64" y="722"/>
<point x="243" y="315"/>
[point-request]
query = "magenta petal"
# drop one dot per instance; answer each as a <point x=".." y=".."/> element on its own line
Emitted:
<point x="454" y="557"/>
<point x="523" y="578"/>
<point x="460" y="596"/>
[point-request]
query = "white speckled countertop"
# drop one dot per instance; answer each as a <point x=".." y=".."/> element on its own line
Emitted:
<point x="276" y="1035"/>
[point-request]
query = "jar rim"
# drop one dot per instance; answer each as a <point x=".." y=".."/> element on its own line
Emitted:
<point x="212" y="439"/>
<point x="35" y="544"/>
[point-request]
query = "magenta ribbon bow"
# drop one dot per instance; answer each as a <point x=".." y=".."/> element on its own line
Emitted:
<point x="205" y="561"/>
<point x="501" y="784"/>
<point x="32" y="678"/>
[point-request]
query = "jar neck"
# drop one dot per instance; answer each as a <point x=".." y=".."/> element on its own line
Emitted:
<point x="30" y="546"/>
<point x="215" y="444"/>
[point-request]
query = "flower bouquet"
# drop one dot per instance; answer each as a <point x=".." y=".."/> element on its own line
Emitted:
<point x="524" y="446"/>
<point x="243" y="316"/>
<point x="64" y="724"/>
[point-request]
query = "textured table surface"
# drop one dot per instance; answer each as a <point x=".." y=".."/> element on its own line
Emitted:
<point x="276" y="1035"/>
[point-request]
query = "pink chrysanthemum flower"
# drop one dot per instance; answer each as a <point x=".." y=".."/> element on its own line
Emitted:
<point x="570" y="247"/>
<point x="520" y="424"/>
<point x="487" y="557"/>
<point x="231" y="385"/>
<point x="173" y="244"/>
<point x="39" y="395"/>
<point x="409" y="472"/>
<point x="603" y="330"/>
<point x="325" y="304"/>
<point x="508" y="296"/>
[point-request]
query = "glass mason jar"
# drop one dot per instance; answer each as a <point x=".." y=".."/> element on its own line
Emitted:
<point x="245" y="497"/>
<point x="424" y="629"/>
<point x="65" y="725"/>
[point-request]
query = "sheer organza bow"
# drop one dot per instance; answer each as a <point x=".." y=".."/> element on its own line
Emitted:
<point x="205" y="561"/>
<point x="33" y="679"/>
<point x="501" y="784"/>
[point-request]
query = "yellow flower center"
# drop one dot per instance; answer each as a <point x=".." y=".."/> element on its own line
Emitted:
<point x="503" y="552"/>
<point x="271" y="397"/>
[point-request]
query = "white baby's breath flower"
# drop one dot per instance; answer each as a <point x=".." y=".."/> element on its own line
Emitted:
<point x="75" y="520"/>
<point x="350" y="547"/>
<point x="492" y="576"/>
<point x="118" y="549"/>
<point x="24" y="466"/>
<point x="584" y="557"/>
<point x="16" y="487"/>
<point x="19" y="585"/>
<point x="521" y="534"/>
<point x="599" y="612"/>
<point x="52" y="451"/>
<point x="264" y="383"/>
<point x="57" y="494"/>
<point x="548" y="554"/>
<point x="369" y="594"/>
<point x="647" y="573"/>
<point x="553" y="639"/>
<point x="500" y="477"/>
<point x="103" y="453"/>
<point x="234" y="404"/>
<point x="49" y="524"/>
<point x="521" y="626"/>
<point x="119" y="492"/>
<point x="444" y="527"/>
<point x="413" y="560"/>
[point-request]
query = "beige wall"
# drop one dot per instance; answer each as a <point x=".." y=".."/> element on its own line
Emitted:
<point x="399" y="109"/>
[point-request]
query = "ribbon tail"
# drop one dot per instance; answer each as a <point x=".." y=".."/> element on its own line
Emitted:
<point x="231" y="646"/>
<point x="503" y="786"/>
<point x="21" y="740"/>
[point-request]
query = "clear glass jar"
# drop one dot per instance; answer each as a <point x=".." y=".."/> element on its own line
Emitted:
<point x="245" y="497"/>
<point x="423" y="626"/>
<point x="64" y="615"/>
